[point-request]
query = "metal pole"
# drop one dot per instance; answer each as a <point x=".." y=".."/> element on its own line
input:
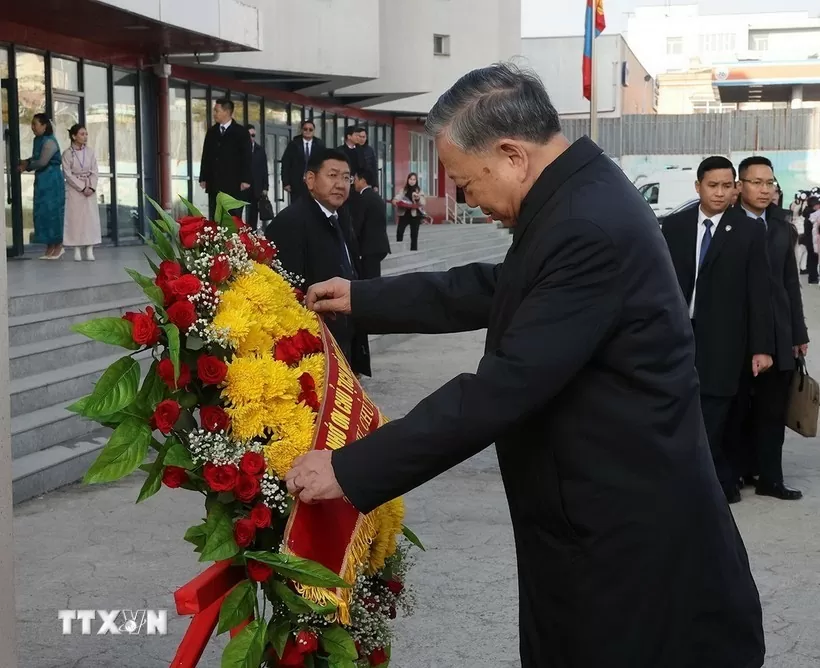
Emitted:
<point x="593" y="97"/>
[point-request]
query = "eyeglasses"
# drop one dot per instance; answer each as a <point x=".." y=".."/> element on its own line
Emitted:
<point x="758" y="183"/>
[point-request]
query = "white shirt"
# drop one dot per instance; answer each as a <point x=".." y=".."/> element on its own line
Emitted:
<point x="701" y="232"/>
<point x="308" y="145"/>
<point x="762" y="216"/>
<point x="330" y="213"/>
<point x="225" y="126"/>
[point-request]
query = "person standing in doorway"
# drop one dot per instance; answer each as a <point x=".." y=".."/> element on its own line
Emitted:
<point x="49" y="188"/>
<point x="260" y="176"/>
<point x="352" y="149"/>
<point x="295" y="160"/>
<point x="411" y="213"/>
<point x="82" y="216"/>
<point x="370" y="225"/>
<point x="226" y="158"/>
<point x="368" y="156"/>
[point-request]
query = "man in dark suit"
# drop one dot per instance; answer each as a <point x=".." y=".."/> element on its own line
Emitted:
<point x="369" y="225"/>
<point x="260" y="176"/>
<point x="226" y="158"/>
<point x="368" y="156"/>
<point x="352" y="149"/>
<point x="315" y="240"/>
<point x="628" y="556"/>
<point x="295" y="160"/>
<point x="720" y="260"/>
<point x="770" y="391"/>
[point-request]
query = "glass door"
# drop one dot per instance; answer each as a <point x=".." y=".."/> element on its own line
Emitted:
<point x="11" y="177"/>
<point x="276" y="141"/>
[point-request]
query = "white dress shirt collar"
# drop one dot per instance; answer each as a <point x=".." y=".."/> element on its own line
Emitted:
<point x="324" y="209"/>
<point x="225" y="126"/>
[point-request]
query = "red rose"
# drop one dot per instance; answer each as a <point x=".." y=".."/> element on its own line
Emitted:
<point x="395" y="587"/>
<point x="306" y="382"/>
<point x="261" y="516"/>
<point x="300" y="296"/>
<point x="220" y="478"/>
<point x="182" y="314"/>
<point x="169" y="271"/>
<point x="249" y="244"/>
<point x="307" y="343"/>
<point x="144" y="329"/>
<point x="287" y="352"/>
<point x="252" y="463"/>
<point x="308" y="393"/>
<point x="244" y="531"/>
<point x="214" y="419"/>
<point x="131" y="316"/>
<point x="392" y="612"/>
<point x="378" y="657"/>
<point x="266" y="251"/>
<point x="165" y="370"/>
<point x="211" y="370"/>
<point x="307" y="642"/>
<point x="291" y="656"/>
<point x="186" y="285"/>
<point x="247" y="488"/>
<point x="166" y="415"/>
<point x="258" y="572"/>
<point x="189" y="229"/>
<point x="167" y="293"/>
<point x="191" y="220"/>
<point x="220" y="269"/>
<point x="241" y="225"/>
<point x="174" y="476"/>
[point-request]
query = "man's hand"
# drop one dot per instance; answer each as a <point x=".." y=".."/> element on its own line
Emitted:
<point x="203" y="185"/>
<point x="331" y="296"/>
<point x="244" y="186"/>
<point x="312" y="479"/>
<point x="802" y="349"/>
<point x="760" y="363"/>
<point x="287" y="189"/>
<point x="264" y="193"/>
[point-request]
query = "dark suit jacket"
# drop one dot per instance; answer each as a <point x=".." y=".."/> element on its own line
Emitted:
<point x="293" y="162"/>
<point x="259" y="170"/>
<point x="368" y="159"/>
<point x="354" y="157"/>
<point x="628" y="556"/>
<point x="226" y="159"/>
<point x="787" y="302"/>
<point x="370" y="223"/>
<point x="307" y="246"/>
<point x="733" y="312"/>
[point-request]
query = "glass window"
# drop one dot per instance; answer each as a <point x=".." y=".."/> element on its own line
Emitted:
<point x="179" y="186"/>
<point x="4" y="63"/>
<point x="239" y="108"/>
<point x="178" y="139"/>
<point x="95" y="81"/>
<point x="297" y="115"/>
<point x="319" y="124"/>
<point x="200" y="113"/>
<point x="125" y="124"/>
<point x="66" y="113"/>
<point x="329" y="135"/>
<point x="342" y="124"/>
<point x="276" y="113"/>
<point x="674" y="46"/>
<point x="255" y="113"/>
<point x="129" y="224"/>
<point x="31" y="98"/>
<point x="104" y="204"/>
<point x="65" y="74"/>
<point x="215" y="95"/>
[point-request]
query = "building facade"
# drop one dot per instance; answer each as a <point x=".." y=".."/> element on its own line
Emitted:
<point x="623" y="85"/>
<point x="142" y="75"/>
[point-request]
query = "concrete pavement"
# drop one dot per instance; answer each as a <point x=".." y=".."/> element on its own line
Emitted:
<point x="93" y="548"/>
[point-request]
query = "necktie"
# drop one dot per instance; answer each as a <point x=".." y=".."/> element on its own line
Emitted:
<point x="344" y="257"/>
<point x="222" y="129"/>
<point x="307" y="152"/>
<point x="763" y="220"/>
<point x="707" y="239"/>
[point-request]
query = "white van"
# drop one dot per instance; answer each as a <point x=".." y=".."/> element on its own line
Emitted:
<point x="665" y="191"/>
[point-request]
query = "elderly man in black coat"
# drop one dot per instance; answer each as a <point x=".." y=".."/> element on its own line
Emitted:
<point x="628" y="556"/>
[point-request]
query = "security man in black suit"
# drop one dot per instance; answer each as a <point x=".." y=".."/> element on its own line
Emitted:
<point x="770" y="391"/>
<point x="295" y="160"/>
<point x="226" y="158"/>
<point x="369" y="224"/>
<point x="315" y="240"/>
<point x="352" y="149"/>
<point x="261" y="177"/>
<point x="722" y="268"/>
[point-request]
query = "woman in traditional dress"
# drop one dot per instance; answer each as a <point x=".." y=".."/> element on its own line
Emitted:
<point x="82" y="216"/>
<point x="49" y="190"/>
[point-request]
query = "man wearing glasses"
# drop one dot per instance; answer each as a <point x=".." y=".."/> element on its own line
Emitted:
<point x="766" y="409"/>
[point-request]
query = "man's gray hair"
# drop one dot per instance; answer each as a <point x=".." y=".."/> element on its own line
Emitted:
<point x="502" y="100"/>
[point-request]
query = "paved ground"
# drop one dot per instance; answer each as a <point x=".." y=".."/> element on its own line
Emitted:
<point x="92" y="548"/>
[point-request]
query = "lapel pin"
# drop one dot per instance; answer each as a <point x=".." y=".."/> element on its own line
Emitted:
<point x="728" y="228"/>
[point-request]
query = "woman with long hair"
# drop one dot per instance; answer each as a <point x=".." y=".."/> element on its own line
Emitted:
<point x="410" y="203"/>
<point x="82" y="216"/>
<point x="49" y="189"/>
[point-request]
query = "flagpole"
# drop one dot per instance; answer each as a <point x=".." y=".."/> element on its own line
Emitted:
<point x="593" y="80"/>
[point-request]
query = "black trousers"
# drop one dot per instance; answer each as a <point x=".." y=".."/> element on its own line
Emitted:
<point x="811" y="263"/>
<point x="371" y="266"/>
<point x="212" y="204"/>
<point x="715" y="417"/>
<point x="414" y="222"/>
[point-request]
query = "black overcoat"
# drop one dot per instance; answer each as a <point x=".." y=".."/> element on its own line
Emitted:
<point x="226" y="160"/>
<point x="628" y="556"/>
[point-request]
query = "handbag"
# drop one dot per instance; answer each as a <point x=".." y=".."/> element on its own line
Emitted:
<point x="804" y="402"/>
<point x="265" y="209"/>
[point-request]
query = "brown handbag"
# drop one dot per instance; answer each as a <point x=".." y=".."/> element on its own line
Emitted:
<point x="804" y="402"/>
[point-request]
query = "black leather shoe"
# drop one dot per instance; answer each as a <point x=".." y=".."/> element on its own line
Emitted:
<point x="779" y="491"/>
<point x="733" y="494"/>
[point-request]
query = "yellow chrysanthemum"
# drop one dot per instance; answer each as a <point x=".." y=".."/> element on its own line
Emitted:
<point x="235" y="315"/>
<point x="294" y="437"/>
<point x="389" y="519"/>
<point x="315" y="366"/>
<point x="257" y="342"/>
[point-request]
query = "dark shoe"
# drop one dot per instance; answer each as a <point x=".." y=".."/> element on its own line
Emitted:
<point x="779" y="491"/>
<point x="732" y="494"/>
<point x="803" y="272"/>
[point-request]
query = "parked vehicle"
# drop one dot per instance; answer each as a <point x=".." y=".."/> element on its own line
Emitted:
<point x="686" y="205"/>
<point x="667" y="190"/>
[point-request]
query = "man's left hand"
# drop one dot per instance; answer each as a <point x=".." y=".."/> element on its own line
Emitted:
<point x="760" y="363"/>
<point x="312" y="479"/>
<point x="802" y="349"/>
<point x="244" y="186"/>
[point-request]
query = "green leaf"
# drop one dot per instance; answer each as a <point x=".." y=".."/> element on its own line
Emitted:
<point x="114" y="331"/>
<point x="115" y="389"/>
<point x="153" y="483"/>
<point x="245" y="650"/>
<point x="178" y="455"/>
<point x="188" y="400"/>
<point x="297" y="604"/>
<point x="238" y="605"/>
<point x="192" y="209"/>
<point x="124" y="452"/>
<point x="172" y="333"/>
<point x="220" y="543"/>
<point x="167" y="222"/>
<point x="153" y="391"/>
<point x="78" y="406"/>
<point x="164" y="248"/>
<point x="413" y="538"/>
<point x="224" y="205"/>
<point x="151" y="290"/>
<point x="335" y="661"/>
<point x="152" y="264"/>
<point x="337" y="642"/>
<point x="300" y="570"/>
<point x="197" y="536"/>
<point x="193" y="342"/>
<point x="278" y="633"/>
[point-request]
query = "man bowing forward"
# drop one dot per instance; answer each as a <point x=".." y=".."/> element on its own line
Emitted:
<point x="628" y="556"/>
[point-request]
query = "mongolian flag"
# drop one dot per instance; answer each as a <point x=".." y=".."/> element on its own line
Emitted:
<point x="596" y="22"/>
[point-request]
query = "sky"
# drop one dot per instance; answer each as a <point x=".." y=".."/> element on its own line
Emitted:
<point x="543" y="18"/>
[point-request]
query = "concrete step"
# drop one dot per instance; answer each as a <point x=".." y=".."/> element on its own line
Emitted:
<point x="48" y="426"/>
<point x="35" y="358"/>
<point x="412" y="257"/>
<point x="35" y="327"/>
<point x="45" y="302"/>
<point x="430" y="239"/>
<point x="450" y="260"/>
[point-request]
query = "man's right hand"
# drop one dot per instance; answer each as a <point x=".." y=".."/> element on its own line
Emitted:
<point x="203" y="185"/>
<point x="331" y="296"/>
<point x="287" y="189"/>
